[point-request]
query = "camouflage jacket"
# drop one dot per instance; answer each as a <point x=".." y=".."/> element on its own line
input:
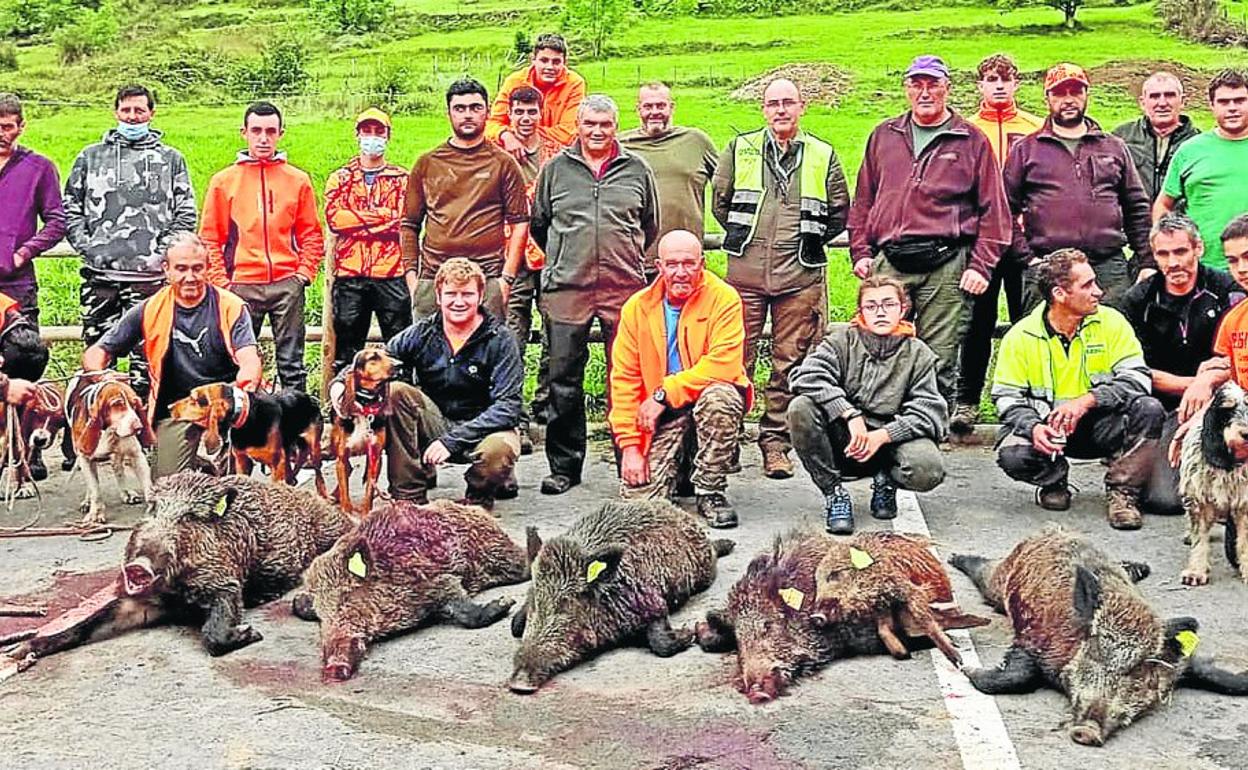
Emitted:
<point x="123" y="201"/>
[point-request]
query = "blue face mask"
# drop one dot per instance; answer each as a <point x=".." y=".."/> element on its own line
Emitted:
<point x="133" y="131"/>
<point x="373" y="145"/>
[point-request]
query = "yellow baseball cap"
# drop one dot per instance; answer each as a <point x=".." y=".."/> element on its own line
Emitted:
<point x="372" y="113"/>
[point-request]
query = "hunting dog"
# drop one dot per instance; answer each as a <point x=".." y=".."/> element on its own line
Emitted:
<point x="281" y="431"/>
<point x="359" y="424"/>
<point x="40" y="419"/>
<point x="107" y="422"/>
<point x="24" y="354"/>
<point x="1213" y="481"/>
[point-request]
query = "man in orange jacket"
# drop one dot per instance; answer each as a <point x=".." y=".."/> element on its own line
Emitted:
<point x="562" y="91"/>
<point x="678" y="381"/>
<point x="266" y="254"/>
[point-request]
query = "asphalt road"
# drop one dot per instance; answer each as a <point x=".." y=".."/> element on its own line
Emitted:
<point x="436" y="698"/>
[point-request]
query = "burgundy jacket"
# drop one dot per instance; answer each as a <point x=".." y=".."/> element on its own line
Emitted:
<point x="1093" y="200"/>
<point x="951" y="191"/>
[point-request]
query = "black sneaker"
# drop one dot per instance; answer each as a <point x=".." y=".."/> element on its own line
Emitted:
<point x="883" y="496"/>
<point x="716" y="509"/>
<point x="839" y="512"/>
<point x="1055" y="497"/>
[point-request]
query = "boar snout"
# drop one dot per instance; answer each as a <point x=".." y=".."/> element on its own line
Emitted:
<point x="342" y="657"/>
<point x="1088" y="734"/>
<point x="523" y="682"/>
<point x="138" y="576"/>
<point x="762" y="684"/>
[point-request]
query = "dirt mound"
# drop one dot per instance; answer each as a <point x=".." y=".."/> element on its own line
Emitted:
<point x="1130" y="75"/>
<point x="820" y="83"/>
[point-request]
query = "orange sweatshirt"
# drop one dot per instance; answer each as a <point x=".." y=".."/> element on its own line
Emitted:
<point x="260" y="223"/>
<point x="711" y="340"/>
<point x="559" y="105"/>
<point x="1004" y="128"/>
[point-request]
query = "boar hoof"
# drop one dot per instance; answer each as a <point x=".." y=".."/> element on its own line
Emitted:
<point x="238" y="638"/>
<point x="1087" y="734"/>
<point x="1193" y="577"/>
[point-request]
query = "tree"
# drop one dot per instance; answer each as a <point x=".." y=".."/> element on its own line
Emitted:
<point x="594" y="21"/>
<point x="1068" y="8"/>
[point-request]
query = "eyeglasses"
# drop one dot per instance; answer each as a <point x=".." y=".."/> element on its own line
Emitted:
<point x="887" y="306"/>
<point x="775" y="104"/>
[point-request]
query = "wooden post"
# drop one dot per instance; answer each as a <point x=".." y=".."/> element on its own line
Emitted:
<point x="328" y="342"/>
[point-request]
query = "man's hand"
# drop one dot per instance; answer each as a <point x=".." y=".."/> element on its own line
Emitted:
<point x="871" y="443"/>
<point x="1042" y="439"/>
<point x="409" y="278"/>
<point x="1066" y="417"/>
<point x="1174" y="452"/>
<point x="862" y="268"/>
<point x="634" y="468"/>
<point x="20" y="258"/>
<point x="20" y="391"/>
<point x="504" y="289"/>
<point x="857" y="435"/>
<point x="1145" y="274"/>
<point x="973" y="283"/>
<point x="1195" y="398"/>
<point x="648" y="414"/>
<point x="436" y="454"/>
<point x="512" y="145"/>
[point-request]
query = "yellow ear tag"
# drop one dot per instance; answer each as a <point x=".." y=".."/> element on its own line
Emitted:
<point x="860" y="559"/>
<point x="594" y="570"/>
<point x="792" y="597"/>
<point x="1187" y="642"/>
<point x="219" y="508"/>
<point x="356" y="565"/>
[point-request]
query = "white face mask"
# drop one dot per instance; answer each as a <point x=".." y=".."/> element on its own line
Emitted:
<point x="373" y="145"/>
<point x="133" y="131"/>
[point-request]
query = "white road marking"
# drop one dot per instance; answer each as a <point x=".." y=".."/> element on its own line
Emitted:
<point x="978" y="728"/>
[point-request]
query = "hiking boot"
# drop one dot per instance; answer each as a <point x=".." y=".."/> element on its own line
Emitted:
<point x="557" y="484"/>
<point x="776" y="463"/>
<point x="1122" y="508"/>
<point x="962" y="423"/>
<point x="1055" y="497"/>
<point x="717" y="511"/>
<point x="839" y="511"/>
<point x="883" y="496"/>
<point x="526" y="443"/>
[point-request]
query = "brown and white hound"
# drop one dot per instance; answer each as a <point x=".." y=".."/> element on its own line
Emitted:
<point x="107" y="422"/>
<point x="359" y="424"/>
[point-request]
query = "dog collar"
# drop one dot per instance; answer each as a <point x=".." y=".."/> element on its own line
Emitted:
<point x="242" y="407"/>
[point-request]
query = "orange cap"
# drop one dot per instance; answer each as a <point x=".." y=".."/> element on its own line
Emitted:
<point x="1062" y="73"/>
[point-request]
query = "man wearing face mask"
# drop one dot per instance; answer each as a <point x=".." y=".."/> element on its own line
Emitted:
<point x="363" y="207"/>
<point x="125" y="197"/>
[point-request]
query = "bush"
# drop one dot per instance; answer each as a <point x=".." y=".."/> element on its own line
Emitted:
<point x="8" y="57"/>
<point x="353" y="15"/>
<point x="282" y="70"/>
<point x="89" y="33"/>
<point x="26" y="18"/>
<point x="1201" y="21"/>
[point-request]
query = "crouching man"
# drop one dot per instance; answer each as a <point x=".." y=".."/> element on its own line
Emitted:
<point x="463" y="402"/>
<point x="1071" y="381"/>
<point x="678" y="384"/>
<point x="866" y="403"/>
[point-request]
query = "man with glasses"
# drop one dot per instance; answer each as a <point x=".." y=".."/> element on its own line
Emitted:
<point x="1154" y="137"/>
<point x="463" y="193"/>
<point x="780" y="194"/>
<point x="865" y="403"/>
<point x="940" y="238"/>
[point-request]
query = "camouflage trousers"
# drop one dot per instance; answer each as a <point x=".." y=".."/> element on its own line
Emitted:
<point x="103" y="303"/>
<point x="705" y="433"/>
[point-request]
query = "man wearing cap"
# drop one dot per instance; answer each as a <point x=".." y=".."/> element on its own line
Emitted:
<point x="940" y="238"/>
<point x="363" y="206"/>
<point x="1154" y="137"/>
<point x="780" y="194"/>
<point x="1076" y="187"/>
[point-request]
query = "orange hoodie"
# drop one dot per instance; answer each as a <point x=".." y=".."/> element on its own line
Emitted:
<point x="1004" y="128"/>
<point x="711" y="340"/>
<point x="559" y="105"/>
<point x="260" y="223"/>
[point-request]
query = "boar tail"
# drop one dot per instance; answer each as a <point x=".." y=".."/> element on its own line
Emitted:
<point x="723" y="547"/>
<point x="1204" y="674"/>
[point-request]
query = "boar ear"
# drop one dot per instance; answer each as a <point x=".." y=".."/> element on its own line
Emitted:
<point x="602" y="565"/>
<point x="1087" y="595"/>
<point x="533" y="544"/>
<point x="1180" y="639"/>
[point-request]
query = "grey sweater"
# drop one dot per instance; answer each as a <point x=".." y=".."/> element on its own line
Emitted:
<point x="891" y="380"/>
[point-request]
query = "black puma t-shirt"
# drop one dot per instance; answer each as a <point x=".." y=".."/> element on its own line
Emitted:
<point x="197" y="353"/>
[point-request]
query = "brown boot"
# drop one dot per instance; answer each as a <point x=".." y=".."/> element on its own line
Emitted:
<point x="776" y="463"/>
<point x="1122" y="508"/>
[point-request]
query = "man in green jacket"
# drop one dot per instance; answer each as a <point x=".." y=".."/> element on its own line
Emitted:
<point x="1071" y="381"/>
<point x="1153" y="137"/>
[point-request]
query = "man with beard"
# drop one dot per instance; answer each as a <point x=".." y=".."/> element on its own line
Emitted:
<point x="1154" y="137"/>
<point x="464" y="193"/>
<point x="1076" y="187"/>
<point x="682" y="159"/>
<point x="1175" y="314"/>
<point x="1207" y="173"/>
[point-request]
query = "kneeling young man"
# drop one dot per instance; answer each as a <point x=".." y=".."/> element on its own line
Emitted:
<point x="866" y="403"/>
<point x="463" y="401"/>
<point x="1071" y="381"/>
<point x="678" y="384"/>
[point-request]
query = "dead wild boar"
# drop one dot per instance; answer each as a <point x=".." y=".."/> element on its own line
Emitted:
<point x="613" y="578"/>
<point x="402" y="566"/>
<point x="773" y="623"/>
<point x="208" y="547"/>
<point x="1082" y="627"/>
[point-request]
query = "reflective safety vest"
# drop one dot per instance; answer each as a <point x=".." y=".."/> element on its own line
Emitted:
<point x="748" y="193"/>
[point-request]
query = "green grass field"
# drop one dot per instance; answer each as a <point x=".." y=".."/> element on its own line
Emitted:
<point x="704" y="59"/>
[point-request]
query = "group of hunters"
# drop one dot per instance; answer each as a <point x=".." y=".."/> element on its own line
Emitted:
<point x="538" y="201"/>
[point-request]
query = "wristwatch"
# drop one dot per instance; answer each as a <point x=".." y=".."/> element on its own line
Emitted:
<point x="660" y="396"/>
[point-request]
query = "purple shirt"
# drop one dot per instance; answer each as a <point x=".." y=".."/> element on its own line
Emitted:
<point x="29" y="192"/>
